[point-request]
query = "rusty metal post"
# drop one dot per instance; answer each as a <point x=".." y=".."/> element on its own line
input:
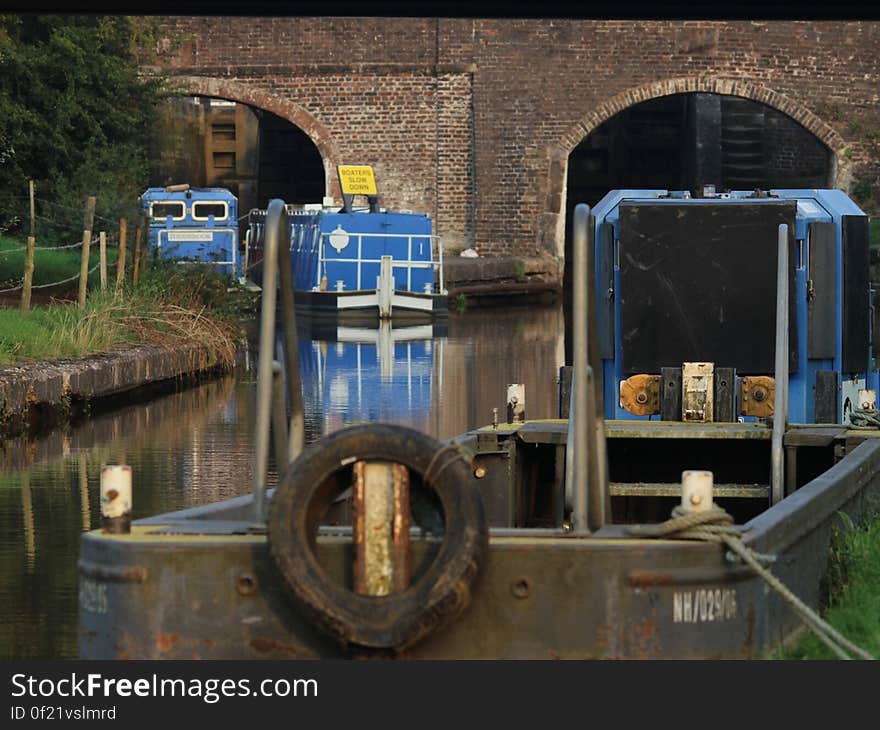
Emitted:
<point x="579" y="416"/>
<point x="780" y="376"/>
<point x="400" y="531"/>
<point x="380" y="505"/>
<point x="116" y="499"/>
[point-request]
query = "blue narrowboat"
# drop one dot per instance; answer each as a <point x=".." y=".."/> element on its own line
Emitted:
<point x="194" y="224"/>
<point x="683" y="279"/>
<point x="359" y="265"/>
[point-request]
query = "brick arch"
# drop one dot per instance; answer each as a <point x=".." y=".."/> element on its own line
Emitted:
<point x="284" y="108"/>
<point x="558" y="162"/>
<point x="746" y="89"/>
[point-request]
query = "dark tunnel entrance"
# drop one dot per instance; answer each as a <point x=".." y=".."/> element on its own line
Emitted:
<point x="255" y="154"/>
<point x="685" y="142"/>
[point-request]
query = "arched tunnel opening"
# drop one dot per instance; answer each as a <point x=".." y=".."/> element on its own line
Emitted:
<point x="254" y="153"/>
<point x="686" y="142"/>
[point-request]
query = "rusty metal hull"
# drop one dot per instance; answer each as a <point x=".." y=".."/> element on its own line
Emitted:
<point x="543" y="594"/>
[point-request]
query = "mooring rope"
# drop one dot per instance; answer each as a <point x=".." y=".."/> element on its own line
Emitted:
<point x="865" y="419"/>
<point x="716" y="525"/>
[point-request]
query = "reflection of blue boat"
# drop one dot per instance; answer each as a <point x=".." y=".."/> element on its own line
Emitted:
<point x="194" y="224"/>
<point x="362" y="374"/>
<point x="360" y="265"/>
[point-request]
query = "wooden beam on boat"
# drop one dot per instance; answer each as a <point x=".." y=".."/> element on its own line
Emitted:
<point x="669" y="489"/>
<point x="553" y="431"/>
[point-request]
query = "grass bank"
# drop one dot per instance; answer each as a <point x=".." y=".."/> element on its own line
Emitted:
<point x="172" y="304"/>
<point x="854" y="588"/>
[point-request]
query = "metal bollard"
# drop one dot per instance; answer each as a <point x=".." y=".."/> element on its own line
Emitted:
<point x="516" y="403"/>
<point x="696" y="491"/>
<point x="116" y="499"/>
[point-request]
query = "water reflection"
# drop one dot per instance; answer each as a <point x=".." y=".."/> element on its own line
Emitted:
<point x="195" y="446"/>
<point x="359" y="375"/>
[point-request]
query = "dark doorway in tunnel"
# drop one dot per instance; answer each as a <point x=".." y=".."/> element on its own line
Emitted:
<point x="253" y="153"/>
<point x="685" y="142"/>
<point x="290" y="164"/>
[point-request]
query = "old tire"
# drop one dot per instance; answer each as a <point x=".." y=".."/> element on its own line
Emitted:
<point x="398" y="620"/>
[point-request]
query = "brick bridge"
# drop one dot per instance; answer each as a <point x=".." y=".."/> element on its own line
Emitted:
<point x="473" y="121"/>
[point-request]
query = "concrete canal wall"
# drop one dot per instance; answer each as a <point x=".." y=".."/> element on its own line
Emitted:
<point x="38" y="395"/>
<point x="493" y="280"/>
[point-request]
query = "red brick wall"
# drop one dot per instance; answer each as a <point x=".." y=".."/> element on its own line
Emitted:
<point x="472" y="121"/>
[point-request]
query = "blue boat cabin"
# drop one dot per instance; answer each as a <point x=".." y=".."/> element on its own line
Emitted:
<point x="194" y="224"/>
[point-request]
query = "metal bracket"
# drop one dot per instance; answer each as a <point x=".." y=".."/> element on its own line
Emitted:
<point x="697" y="388"/>
<point x="757" y="395"/>
<point x="640" y="394"/>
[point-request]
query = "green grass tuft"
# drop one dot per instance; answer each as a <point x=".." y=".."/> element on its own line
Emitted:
<point x="854" y="586"/>
<point x="172" y="305"/>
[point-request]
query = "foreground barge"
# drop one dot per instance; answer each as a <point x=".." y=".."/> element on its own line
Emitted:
<point x="201" y="583"/>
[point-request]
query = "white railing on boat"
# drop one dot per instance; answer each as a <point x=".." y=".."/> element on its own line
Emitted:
<point x="409" y="264"/>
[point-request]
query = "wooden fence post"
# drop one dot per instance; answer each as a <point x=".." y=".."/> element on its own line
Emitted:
<point x="33" y="211"/>
<point x="29" y="259"/>
<point x="28" y="278"/>
<point x="120" y="254"/>
<point x="86" y="243"/>
<point x="137" y="256"/>
<point x="103" y="259"/>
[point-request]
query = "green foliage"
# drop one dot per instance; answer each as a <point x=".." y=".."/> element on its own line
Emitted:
<point x="195" y="286"/>
<point x="75" y="115"/>
<point x="460" y="303"/>
<point x="854" y="587"/>
<point x="172" y="304"/>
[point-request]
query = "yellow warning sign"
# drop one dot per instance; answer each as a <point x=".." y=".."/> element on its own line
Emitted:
<point x="356" y="179"/>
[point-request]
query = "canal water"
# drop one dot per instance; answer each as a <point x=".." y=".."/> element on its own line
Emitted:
<point x="195" y="446"/>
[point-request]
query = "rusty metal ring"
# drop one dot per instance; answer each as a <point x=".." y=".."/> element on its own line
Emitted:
<point x="394" y="621"/>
